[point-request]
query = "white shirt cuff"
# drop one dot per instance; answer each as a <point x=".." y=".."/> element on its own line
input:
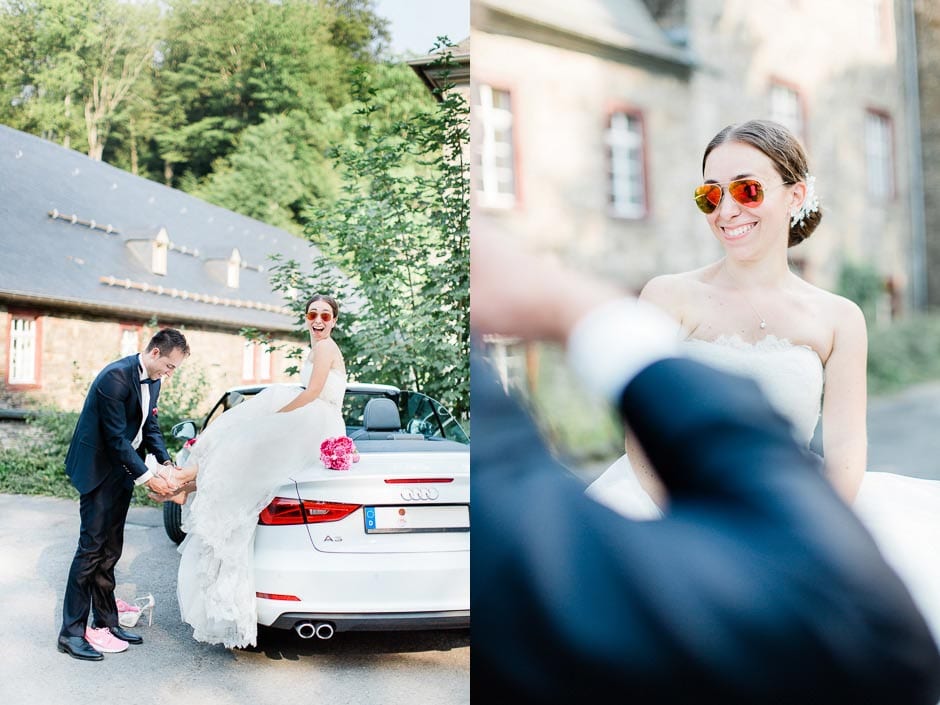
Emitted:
<point x="613" y="343"/>
<point x="143" y="478"/>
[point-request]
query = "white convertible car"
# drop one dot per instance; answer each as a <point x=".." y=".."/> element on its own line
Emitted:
<point x="382" y="546"/>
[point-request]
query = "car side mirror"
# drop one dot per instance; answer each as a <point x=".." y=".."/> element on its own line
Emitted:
<point x="184" y="430"/>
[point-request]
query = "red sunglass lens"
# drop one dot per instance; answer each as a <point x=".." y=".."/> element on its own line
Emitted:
<point x="746" y="192"/>
<point x="707" y="197"/>
<point x="326" y="317"/>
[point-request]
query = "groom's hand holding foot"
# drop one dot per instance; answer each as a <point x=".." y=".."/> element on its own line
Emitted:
<point x="178" y="486"/>
<point x="159" y="484"/>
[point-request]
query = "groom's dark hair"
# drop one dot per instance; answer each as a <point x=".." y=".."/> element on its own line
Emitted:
<point x="168" y="340"/>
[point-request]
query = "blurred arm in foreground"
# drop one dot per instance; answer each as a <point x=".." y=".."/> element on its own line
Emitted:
<point x="758" y="585"/>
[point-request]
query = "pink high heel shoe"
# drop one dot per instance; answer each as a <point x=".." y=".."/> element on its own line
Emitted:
<point x="129" y="614"/>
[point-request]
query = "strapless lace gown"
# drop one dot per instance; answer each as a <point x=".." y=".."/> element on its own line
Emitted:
<point x="902" y="513"/>
<point x="243" y="457"/>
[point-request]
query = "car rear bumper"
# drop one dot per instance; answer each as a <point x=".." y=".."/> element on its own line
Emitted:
<point x="365" y="591"/>
<point x="390" y="621"/>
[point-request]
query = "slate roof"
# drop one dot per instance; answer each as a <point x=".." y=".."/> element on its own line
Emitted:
<point x="47" y="261"/>
<point x="620" y="24"/>
<point x="459" y="71"/>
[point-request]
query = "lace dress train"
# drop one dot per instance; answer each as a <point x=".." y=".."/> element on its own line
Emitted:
<point x="243" y="457"/>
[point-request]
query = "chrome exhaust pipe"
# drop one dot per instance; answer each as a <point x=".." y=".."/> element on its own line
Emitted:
<point x="305" y="630"/>
<point x="324" y="630"/>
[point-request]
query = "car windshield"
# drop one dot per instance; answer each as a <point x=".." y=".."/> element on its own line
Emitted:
<point x="419" y="413"/>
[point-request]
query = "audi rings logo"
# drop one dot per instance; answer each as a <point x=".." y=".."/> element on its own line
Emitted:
<point x="420" y="494"/>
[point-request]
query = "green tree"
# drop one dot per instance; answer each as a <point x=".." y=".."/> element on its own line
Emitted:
<point x="358" y="29"/>
<point x="68" y="67"/>
<point x="231" y="64"/>
<point x="278" y="168"/>
<point x="395" y="244"/>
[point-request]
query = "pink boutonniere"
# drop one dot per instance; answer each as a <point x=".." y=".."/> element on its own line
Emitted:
<point x="338" y="453"/>
<point x="191" y="442"/>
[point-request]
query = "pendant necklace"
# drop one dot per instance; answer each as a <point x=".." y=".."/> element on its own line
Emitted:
<point x="763" y="323"/>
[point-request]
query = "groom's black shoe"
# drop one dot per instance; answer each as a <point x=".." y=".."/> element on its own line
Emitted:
<point x="78" y="647"/>
<point x="129" y="637"/>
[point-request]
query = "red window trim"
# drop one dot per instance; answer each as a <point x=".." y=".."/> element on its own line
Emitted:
<point x="38" y="318"/>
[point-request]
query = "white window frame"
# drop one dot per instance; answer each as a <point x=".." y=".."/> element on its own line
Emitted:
<point x="626" y="158"/>
<point x="496" y="180"/>
<point x="879" y="154"/>
<point x="264" y="362"/>
<point x="130" y="341"/>
<point x="508" y="357"/>
<point x="22" y="364"/>
<point x="786" y="107"/>
<point x="234" y="266"/>
<point x="248" y="361"/>
<point x="874" y="18"/>
<point x="161" y="246"/>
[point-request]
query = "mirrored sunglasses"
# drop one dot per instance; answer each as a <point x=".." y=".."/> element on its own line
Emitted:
<point x="324" y="316"/>
<point x="746" y="192"/>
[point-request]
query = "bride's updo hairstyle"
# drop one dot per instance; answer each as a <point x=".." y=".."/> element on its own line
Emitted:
<point x="333" y="304"/>
<point x="785" y="151"/>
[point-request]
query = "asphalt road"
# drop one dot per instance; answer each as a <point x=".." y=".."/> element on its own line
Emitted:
<point x="38" y="536"/>
<point x="904" y="432"/>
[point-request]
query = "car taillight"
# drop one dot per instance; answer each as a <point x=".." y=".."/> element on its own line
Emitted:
<point x="282" y="511"/>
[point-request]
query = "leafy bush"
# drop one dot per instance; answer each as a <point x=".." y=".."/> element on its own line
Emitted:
<point x="38" y="467"/>
<point x="903" y="353"/>
<point x="579" y="427"/>
<point x="864" y="285"/>
<point x="180" y="399"/>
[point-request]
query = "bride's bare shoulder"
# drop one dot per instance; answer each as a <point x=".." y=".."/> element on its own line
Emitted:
<point x="842" y="316"/>
<point x="829" y="302"/>
<point x="678" y="293"/>
<point x="679" y="286"/>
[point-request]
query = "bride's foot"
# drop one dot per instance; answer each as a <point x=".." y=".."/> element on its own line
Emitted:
<point x="182" y="476"/>
<point x="179" y="497"/>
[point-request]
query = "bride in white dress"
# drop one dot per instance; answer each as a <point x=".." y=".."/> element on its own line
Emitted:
<point x="237" y="464"/>
<point x="804" y="346"/>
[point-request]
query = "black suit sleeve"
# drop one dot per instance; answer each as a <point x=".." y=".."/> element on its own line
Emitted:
<point x="113" y="396"/>
<point x="758" y="586"/>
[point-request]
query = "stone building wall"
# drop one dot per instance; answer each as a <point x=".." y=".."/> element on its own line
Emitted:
<point x="74" y="349"/>
<point x="927" y="18"/>
<point x="561" y="97"/>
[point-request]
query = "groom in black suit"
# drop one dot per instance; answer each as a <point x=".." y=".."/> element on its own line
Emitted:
<point x="115" y="430"/>
<point x="759" y="586"/>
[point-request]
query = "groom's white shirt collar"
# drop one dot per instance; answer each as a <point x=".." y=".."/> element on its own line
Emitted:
<point x="145" y="411"/>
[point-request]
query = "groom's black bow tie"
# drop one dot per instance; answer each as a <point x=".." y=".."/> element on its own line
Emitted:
<point x="147" y="380"/>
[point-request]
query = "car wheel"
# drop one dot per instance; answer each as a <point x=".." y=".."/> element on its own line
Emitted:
<point x="172" y="518"/>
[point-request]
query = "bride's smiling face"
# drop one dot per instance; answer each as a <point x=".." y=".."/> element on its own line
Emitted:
<point x="318" y="327"/>
<point x="747" y="232"/>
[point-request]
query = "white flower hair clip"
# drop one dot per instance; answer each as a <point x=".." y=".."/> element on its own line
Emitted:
<point x="810" y="202"/>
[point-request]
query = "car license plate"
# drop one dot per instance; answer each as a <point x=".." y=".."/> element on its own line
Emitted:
<point x="403" y="520"/>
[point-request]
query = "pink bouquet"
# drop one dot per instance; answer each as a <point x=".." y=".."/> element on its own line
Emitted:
<point x="338" y="453"/>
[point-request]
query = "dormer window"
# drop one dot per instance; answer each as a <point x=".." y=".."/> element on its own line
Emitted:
<point x="234" y="265"/>
<point x="161" y="245"/>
